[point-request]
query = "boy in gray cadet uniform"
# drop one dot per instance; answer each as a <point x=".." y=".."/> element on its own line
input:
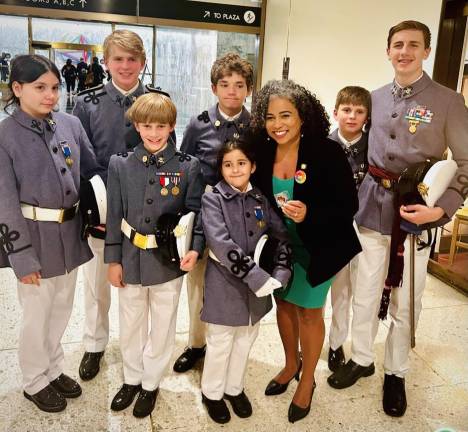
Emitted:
<point x="352" y="112"/>
<point x="102" y="111"/>
<point x="153" y="181"/>
<point x="42" y="156"/>
<point x="413" y="119"/>
<point x="231" y="82"/>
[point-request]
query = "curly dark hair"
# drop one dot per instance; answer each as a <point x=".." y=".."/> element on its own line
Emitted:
<point x="315" y="120"/>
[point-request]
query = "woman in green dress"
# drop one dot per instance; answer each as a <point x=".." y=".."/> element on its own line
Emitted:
<point x="309" y="181"/>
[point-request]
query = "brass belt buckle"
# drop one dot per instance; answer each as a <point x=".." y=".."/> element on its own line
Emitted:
<point x="139" y="240"/>
<point x="386" y="183"/>
<point x="61" y="216"/>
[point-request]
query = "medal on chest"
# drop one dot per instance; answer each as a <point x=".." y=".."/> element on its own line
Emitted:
<point x="164" y="182"/>
<point x="300" y="176"/>
<point x="260" y="217"/>
<point x="175" y="189"/>
<point x="416" y="115"/>
<point x="66" y="152"/>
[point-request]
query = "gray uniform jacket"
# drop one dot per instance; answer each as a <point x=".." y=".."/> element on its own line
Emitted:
<point x="230" y="223"/>
<point x="206" y="133"/>
<point x="134" y="193"/>
<point x="356" y="154"/>
<point x="444" y="123"/>
<point x="33" y="171"/>
<point x="101" y="110"/>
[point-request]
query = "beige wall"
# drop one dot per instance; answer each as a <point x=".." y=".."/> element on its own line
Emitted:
<point x="336" y="43"/>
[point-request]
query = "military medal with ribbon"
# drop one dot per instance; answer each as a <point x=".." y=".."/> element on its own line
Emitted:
<point x="66" y="152"/>
<point x="417" y="115"/>
<point x="300" y="175"/>
<point x="260" y="217"/>
<point x="175" y="189"/>
<point x="164" y="182"/>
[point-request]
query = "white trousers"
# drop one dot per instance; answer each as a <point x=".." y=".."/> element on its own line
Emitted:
<point x="227" y="353"/>
<point x="195" y="286"/>
<point x="341" y="294"/>
<point x="372" y="271"/>
<point x="46" y="311"/>
<point x="97" y="299"/>
<point x="146" y="354"/>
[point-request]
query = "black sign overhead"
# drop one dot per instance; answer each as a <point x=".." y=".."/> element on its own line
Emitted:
<point x="199" y="11"/>
<point x="119" y="7"/>
<point x="181" y="10"/>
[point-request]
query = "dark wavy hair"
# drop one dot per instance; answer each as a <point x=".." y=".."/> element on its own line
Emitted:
<point x="26" y="69"/>
<point x="315" y="119"/>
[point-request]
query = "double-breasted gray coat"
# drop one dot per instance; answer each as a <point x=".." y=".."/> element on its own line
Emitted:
<point x="134" y="192"/>
<point x="34" y="171"/>
<point x="393" y="146"/>
<point x="233" y="222"/>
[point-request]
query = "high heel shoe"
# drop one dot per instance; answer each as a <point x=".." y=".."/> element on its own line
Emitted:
<point x="275" y="388"/>
<point x="296" y="413"/>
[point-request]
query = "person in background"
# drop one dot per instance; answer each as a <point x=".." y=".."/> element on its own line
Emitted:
<point x="69" y="72"/>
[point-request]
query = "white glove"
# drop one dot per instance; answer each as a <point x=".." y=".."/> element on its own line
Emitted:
<point x="268" y="287"/>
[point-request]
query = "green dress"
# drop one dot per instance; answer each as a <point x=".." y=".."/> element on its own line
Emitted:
<point x="299" y="291"/>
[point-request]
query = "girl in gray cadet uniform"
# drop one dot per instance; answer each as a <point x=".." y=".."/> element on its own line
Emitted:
<point x="235" y="216"/>
<point x="40" y="157"/>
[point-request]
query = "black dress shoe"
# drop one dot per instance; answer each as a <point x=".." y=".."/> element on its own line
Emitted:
<point x="275" y="388"/>
<point x="66" y="386"/>
<point x="336" y="359"/>
<point x="48" y="399"/>
<point x="348" y="374"/>
<point x="188" y="358"/>
<point x="296" y="413"/>
<point x="240" y="404"/>
<point x="394" y="396"/>
<point x="217" y="409"/>
<point x="89" y="366"/>
<point x="124" y="397"/>
<point x="145" y="403"/>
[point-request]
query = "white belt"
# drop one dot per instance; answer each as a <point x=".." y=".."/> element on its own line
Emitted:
<point x="48" y="215"/>
<point x="213" y="256"/>
<point x="142" y="241"/>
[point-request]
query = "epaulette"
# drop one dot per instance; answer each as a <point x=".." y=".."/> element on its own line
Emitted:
<point x="93" y="94"/>
<point x="183" y="156"/>
<point x="204" y="116"/>
<point x="122" y="154"/>
<point x="151" y="89"/>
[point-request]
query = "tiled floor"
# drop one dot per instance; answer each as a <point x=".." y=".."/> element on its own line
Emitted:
<point x="437" y="385"/>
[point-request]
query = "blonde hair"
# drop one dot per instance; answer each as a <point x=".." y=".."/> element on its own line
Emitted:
<point x="153" y="108"/>
<point x="128" y="41"/>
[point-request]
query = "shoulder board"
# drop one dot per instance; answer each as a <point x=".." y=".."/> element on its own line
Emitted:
<point x="151" y="89"/>
<point x="204" y="117"/>
<point x="92" y="89"/>
<point x="183" y="156"/>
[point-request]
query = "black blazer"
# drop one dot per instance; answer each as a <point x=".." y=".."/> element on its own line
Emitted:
<point x="331" y="198"/>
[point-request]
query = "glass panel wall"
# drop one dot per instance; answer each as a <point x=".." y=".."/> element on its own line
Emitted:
<point x="78" y="32"/>
<point x="146" y="34"/>
<point x="183" y="64"/>
<point x="14" y="41"/>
